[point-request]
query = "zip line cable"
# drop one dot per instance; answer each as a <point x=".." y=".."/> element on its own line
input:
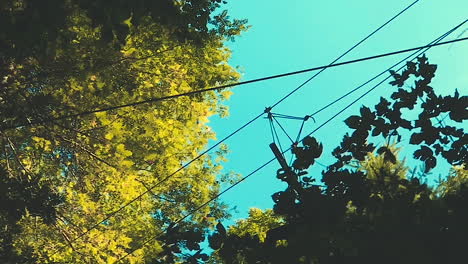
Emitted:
<point x="322" y="68"/>
<point x="271" y="160"/>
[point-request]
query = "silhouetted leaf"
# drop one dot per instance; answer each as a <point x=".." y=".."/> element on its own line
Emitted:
<point x="405" y="124"/>
<point x="416" y="139"/>
<point x="353" y="122"/>
<point x="367" y="114"/>
<point x="423" y="153"/>
<point x="430" y="163"/>
<point x="221" y="230"/>
<point x="215" y="241"/>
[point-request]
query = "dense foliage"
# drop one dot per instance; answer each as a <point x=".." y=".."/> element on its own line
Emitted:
<point x="60" y="177"/>
<point x="371" y="208"/>
<point x="38" y="28"/>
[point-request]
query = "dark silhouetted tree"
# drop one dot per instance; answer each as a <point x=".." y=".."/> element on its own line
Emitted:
<point x="371" y="209"/>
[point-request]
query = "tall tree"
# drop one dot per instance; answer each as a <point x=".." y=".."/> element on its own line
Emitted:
<point x="98" y="162"/>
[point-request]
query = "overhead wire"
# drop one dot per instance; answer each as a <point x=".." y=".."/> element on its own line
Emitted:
<point x="284" y="130"/>
<point x="365" y="83"/>
<point x="42" y="121"/>
<point x="422" y="51"/>
<point x="282" y="99"/>
<point x="274" y="132"/>
<point x="150" y="189"/>
<point x="169" y="97"/>
<point x="287" y="116"/>
<point x="383" y="72"/>
<point x="164" y="98"/>
<point x="344" y="54"/>
<point x="300" y="130"/>
<point x="323" y="68"/>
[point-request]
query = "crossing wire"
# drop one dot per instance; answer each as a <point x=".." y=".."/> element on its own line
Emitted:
<point x="271" y="160"/>
<point x="169" y="97"/>
<point x="152" y="100"/>
<point x="225" y="138"/>
<point x="202" y="154"/>
<point x="383" y="72"/>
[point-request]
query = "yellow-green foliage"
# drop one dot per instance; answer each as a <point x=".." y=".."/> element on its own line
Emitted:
<point x="101" y="161"/>
<point x="382" y="168"/>
<point x="457" y="177"/>
<point x="257" y="224"/>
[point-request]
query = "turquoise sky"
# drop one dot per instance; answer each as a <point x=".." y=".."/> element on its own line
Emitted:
<point x="297" y="34"/>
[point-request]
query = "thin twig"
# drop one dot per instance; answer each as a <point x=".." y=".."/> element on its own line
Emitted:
<point x="15" y="154"/>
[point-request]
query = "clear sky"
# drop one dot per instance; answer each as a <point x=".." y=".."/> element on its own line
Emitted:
<point x="297" y="34"/>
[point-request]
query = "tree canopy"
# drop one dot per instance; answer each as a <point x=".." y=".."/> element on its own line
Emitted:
<point x="371" y="209"/>
<point x="59" y="177"/>
<point x="34" y="28"/>
<point x="72" y="177"/>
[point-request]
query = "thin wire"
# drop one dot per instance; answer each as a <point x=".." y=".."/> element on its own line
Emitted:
<point x="271" y="129"/>
<point x="441" y="122"/>
<point x="198" y="208"/>
<point x="163" y="98"/>
<point x="287" y="116"/>
<point x="297" y="138"/>
<point x="300" y="130"/>
<point x="148" y="190"/>
<point x="277" y="137"/>
<point x="370" y="90"/>
<point x="346" y="52"/>
<point x="242" y="179"/>
<point x="321" y="164"/>
<point x="323" y="68"/>
<point x="271" y="160"/>
<point x="284" y="131"/>
<point x="383" y="72"/>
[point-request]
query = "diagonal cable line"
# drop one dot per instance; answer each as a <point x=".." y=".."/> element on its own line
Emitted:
<point x="151" y="188"/>
<point x="383" y="72"/>
<point x="344" y="54"/>
<point x="284" y="130"/>
<point x="164" y="98"/>
<point x="300" y="130"/>
<point x="214" y="88"/>
<point x="198" y="208"/>
<point x="287" y="116"/>
<point x="422" y="51"/>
